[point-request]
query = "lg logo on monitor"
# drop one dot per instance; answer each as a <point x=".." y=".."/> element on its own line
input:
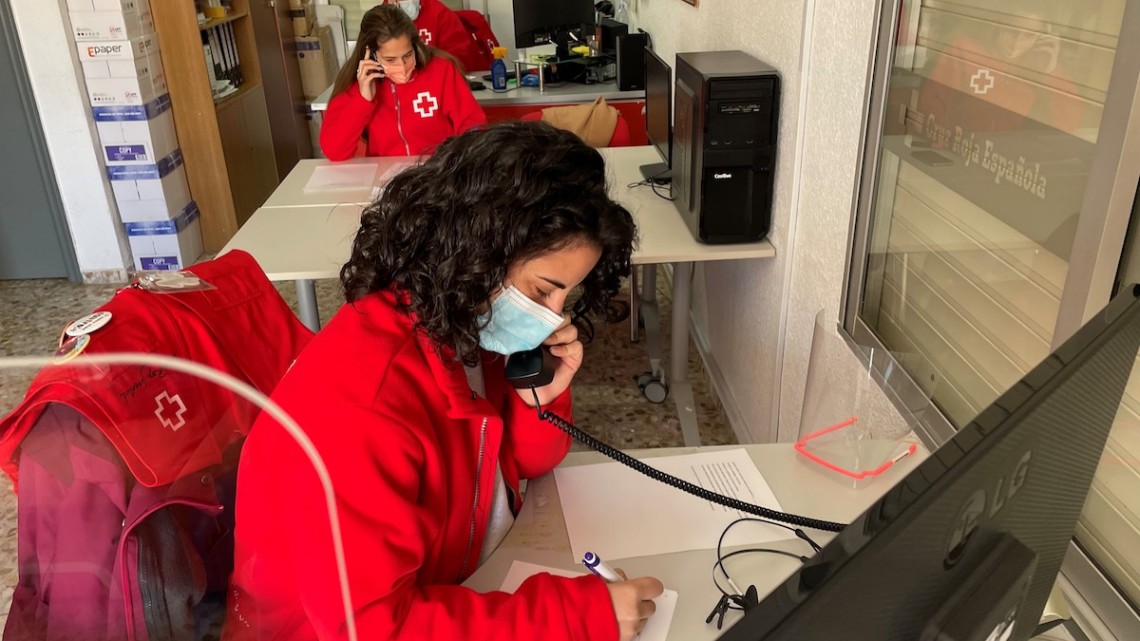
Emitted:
<point x="984" y="504"/>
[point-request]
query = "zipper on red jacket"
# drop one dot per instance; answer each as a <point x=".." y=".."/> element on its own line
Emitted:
<point x="475" y="503"/>
<point x="399" y="125"/>
<point x="127" y="585"/>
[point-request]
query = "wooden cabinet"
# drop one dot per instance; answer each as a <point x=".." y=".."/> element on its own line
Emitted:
<point x="226" y="145"/>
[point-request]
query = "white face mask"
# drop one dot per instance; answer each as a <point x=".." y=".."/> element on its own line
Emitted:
<point x="410" y="7"/>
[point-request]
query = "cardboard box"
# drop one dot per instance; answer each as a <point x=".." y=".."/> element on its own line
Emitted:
<point x="167" y="245"/>
<point x="143" y="45"/>
<point x="304" y="17"/>
<point x="124" y="91"/>
<point x="125" y="82"/>
<point x="141" y="7"/>
<point x="89" y="26"/>
<point x="317" y="62"/>
<point x="140" y="137"/>
<point x="150" y="192"/>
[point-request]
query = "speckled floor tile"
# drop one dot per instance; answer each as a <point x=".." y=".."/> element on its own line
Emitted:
<point x="607" y="402"/>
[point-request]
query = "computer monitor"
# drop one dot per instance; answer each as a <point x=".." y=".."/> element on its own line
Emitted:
<point x="550" y="21"/>
<point x="658" y="114"/>
<point x="968" y="545"/>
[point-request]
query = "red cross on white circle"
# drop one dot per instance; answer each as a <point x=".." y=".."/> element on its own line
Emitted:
<point x="167" y="402"/>
<point x="425" y="35"/>
<point x="425" y="104"/>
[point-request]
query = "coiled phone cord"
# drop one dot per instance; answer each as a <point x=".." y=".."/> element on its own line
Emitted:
<point x="680" y="484"/>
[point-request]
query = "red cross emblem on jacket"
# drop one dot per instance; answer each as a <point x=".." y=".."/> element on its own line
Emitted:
<point x="425" y="104"/>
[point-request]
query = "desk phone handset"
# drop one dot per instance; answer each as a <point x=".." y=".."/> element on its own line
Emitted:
<point x="535" y="368"/>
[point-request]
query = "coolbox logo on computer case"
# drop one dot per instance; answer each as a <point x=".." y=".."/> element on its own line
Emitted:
<point x="984" y="504"/>
<point x="722" y="176"/>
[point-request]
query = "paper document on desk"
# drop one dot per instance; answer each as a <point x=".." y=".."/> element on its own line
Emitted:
<point x="620" y="513"/>
<point x="656" y="628"/>
<point x="341" y="177"/>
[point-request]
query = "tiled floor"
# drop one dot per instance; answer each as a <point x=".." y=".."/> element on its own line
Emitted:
<point x="607" y="402"/>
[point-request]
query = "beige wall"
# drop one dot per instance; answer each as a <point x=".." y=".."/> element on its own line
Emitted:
<point x="821" y="49"/>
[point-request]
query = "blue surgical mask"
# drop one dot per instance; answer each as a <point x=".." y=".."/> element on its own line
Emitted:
<point x="516" y="323"/>
<point x="411" y="7"/>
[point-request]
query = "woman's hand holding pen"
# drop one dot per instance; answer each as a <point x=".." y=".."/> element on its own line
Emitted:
<point x="633" y="603"/>
<point x="368" y="71"/>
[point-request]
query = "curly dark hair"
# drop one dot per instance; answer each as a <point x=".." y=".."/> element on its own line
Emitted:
<point x="445" y="231"/>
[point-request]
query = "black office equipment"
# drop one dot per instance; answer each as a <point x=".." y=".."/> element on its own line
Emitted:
<point x="611" y="30"/>
<point x="630" y="49"/>
<point x="726" y="117"/>
<point x="968" y="545"/>
<point x="658" y="81"/>
<point x="551" y="21"/>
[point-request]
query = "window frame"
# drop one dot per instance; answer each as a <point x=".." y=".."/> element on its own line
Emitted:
<point x="1094" y="264"/>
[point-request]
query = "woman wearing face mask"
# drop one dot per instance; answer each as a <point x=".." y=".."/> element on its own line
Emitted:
<point x="404" y="397"/>
<point x="400" y="97"/>
<point x="441" y="28"/>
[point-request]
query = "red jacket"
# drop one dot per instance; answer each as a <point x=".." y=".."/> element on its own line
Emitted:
<point x="412" y="454"/>
<point x="126" y="471"/>
<point x="402" y="120"/>
<point x="440" y="28"/>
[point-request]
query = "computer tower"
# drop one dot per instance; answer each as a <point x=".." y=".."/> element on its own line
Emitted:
<point x="726" y="116"/>
<point x="631" y="61"/>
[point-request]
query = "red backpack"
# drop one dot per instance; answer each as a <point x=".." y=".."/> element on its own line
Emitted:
<point x="480" y="31"/>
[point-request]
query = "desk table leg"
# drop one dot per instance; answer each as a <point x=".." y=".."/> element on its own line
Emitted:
<point x="307" y="304"/>
<point x="679" y="385"/>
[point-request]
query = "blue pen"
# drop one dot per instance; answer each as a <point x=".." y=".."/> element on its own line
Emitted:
<point x="595" y="564"/>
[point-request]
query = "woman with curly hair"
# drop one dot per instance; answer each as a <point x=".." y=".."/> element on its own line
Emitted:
<point x="467" y="257"/>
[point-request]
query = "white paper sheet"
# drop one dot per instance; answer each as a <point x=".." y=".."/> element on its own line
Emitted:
<point x="619" y="513"/>
<point x="341" y="177"/>
<point x="656" y="629"/>
<point x="387" y="177"/>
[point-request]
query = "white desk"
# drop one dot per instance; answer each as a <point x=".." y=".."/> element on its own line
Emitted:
<point x="567" y="92"/>
<point x="539" y="534"/>
<point x="305" y="237"/>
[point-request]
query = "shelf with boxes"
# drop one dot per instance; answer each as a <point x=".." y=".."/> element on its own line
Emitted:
<point x="220" y="113"/>
<point x="126" y="87"/>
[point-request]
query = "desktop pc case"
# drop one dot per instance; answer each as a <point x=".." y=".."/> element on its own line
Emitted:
<point x="726" y="115"/>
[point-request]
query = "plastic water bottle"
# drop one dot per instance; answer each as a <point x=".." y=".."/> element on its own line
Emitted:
<point x="621" y="14"/>
<point x="498" y="70"/>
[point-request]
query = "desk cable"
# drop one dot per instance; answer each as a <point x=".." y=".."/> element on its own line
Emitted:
<point x="681" y="484"/>
<point x="747" y="599"/>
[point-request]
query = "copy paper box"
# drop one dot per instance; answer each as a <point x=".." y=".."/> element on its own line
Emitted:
<point x="150" y="192"/>
<point x="110" y="25"/>
<point x="304" y="16"/>
<point x="316" y="61"/>
<point x="135" y="82"/>
<point x="137" y="135"/>
<point x="97" y="51"/>
<point x="140" y="7"/>
<point x="166" y="245"/>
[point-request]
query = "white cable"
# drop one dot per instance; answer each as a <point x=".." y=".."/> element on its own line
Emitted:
<point x="250" y="394"/>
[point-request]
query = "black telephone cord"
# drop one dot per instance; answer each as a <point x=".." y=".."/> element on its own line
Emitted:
<point x="681" y="484"/>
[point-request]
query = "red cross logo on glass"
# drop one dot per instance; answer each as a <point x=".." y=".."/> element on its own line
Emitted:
<point x="170" y="411"/>
<point x="982" y="81"/>
<point x="425" y="104"/>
